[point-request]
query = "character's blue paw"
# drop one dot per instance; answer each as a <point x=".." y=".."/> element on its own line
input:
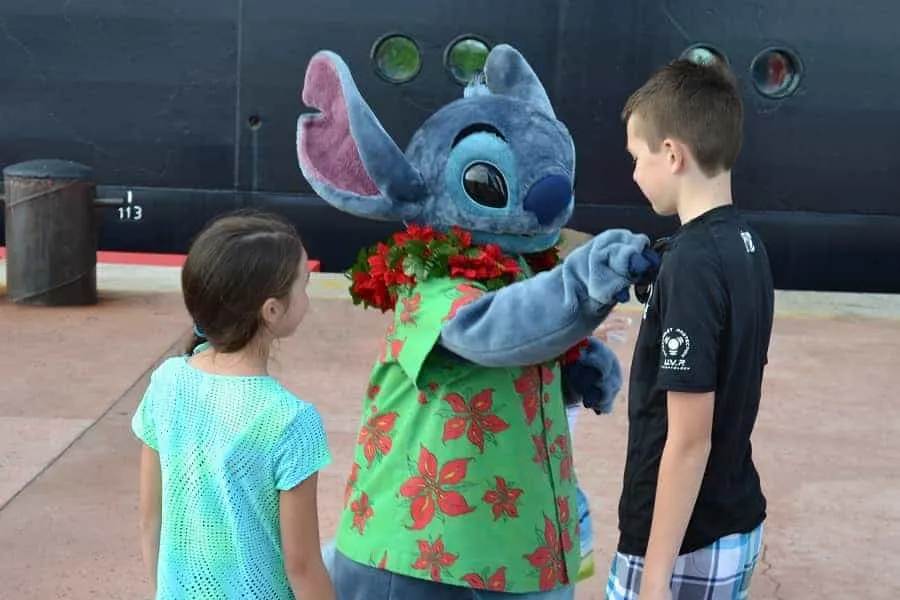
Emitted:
<point x="601" y="397"/>
<point x="642" y="289"/>
<point x="644" y="266"/>
<point x="596" y="377"/>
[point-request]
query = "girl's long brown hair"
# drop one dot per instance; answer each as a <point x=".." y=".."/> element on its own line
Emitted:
<point x="235" y="264"/>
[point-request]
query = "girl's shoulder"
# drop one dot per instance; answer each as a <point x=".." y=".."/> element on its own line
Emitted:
<point x="286" y="401"/>
<point x="168" y="369"/>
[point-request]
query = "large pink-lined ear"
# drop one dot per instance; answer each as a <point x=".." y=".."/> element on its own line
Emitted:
<point x="344" y="152"/>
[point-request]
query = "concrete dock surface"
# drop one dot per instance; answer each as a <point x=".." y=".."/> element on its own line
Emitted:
<point x="827" y="442"/>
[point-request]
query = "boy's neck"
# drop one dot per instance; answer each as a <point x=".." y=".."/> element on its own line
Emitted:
<point x="701" y="194"/>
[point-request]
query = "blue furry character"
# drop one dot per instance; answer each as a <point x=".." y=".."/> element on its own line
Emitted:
<point x="463" y="476"/>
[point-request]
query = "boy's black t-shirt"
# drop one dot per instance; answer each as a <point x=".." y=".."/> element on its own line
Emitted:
<point x="705" y="327"/>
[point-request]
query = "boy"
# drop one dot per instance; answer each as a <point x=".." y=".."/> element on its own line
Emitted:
<point x="692" y="509"/>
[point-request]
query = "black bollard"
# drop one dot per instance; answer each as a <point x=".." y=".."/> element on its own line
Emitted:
<point x="51" y="233"/>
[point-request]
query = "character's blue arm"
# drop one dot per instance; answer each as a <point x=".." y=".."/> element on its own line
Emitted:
<point x="595" y="379"/>
<point x="536" y="320"/>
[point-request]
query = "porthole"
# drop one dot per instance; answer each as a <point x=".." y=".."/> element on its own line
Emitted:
<point x="703" y="54"/>
<point x="397" y="58"/>
<point x="776" y="72"/>
<point x="465" y="57"/>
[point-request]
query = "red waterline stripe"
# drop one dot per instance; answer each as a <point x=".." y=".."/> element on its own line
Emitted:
<point x="148" y="259"/>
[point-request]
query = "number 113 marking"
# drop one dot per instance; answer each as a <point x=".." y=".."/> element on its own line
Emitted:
<point x="131" y="211"/>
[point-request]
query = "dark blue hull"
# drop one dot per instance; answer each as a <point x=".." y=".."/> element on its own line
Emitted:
<point x="193" y="105"/>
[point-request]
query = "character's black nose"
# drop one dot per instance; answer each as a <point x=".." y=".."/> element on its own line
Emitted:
<point x="548" y="198"/>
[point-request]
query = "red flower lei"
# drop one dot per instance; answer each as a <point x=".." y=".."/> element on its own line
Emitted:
<point x="382" y="272"/>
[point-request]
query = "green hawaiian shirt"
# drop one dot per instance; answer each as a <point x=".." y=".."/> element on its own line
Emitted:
<point x="462" y="474"/>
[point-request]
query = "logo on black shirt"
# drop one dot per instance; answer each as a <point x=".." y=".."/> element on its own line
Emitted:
<point x="748" y="242"/>
<point x="675" y="347"/>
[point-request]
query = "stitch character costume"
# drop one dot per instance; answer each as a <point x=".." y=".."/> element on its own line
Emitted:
<point x="463" y="471"/>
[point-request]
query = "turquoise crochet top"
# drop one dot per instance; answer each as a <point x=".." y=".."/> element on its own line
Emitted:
<point x="227" y="445"/>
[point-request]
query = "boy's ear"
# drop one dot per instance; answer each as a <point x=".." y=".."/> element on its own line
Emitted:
<point x="675" y="154"/>
<point x="344" y="152"/>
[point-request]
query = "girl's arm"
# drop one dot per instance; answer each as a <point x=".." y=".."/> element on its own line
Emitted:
<point x="150" y="510"/>
<point x="300" y="542"/>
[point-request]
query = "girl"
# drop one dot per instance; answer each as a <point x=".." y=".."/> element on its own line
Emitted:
<point x="229" y="464"/>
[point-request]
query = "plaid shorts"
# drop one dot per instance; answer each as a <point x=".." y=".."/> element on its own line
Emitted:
<point x="720" y="571"/>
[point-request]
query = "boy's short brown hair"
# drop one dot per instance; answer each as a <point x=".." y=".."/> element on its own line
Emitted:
<point x="697" y="104"/>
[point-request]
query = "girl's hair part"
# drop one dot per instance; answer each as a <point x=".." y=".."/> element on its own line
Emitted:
<point x="236" y="263"/>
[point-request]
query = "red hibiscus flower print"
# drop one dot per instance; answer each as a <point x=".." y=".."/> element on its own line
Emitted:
<point x="562" y="504"/>
<point x="503" y="498"/>
<point x="540" y="451"/>
<point x="395" y="347"/>
<point x="565" y="517"/>
<point x="390" y="347"/>
<point x="410" y="308"/>
<point x="428" y="493"/>
<point x="469" y="294"/>
<point x="474" y="419"/>
<point x="529" y="386"/>
<point x="382" y="347"/>
<point x="546" y="375"/>
<point x="494" y="583"/>
<point x="566" y="463"/>
<point x="549" y="557"/>
<point x="362" y="512"/>
<point x="351" y="483"/>
<point x="375" y="437"/>
<point x="382" y="564"/>
<point x="433" y="557"/>
<point x="423" y="395"/>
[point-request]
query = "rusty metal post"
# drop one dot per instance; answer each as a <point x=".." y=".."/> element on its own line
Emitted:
<point x="51" y="233"/>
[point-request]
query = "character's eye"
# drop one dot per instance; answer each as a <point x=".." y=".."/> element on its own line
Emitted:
<point x="485" y="185"/>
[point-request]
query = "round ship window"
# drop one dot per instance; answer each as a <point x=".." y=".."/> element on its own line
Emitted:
<point x="703" y="55"/>
<point x="465" y="58"/>
<point x="776" y="73"/>
<point x="397" y="58"/>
